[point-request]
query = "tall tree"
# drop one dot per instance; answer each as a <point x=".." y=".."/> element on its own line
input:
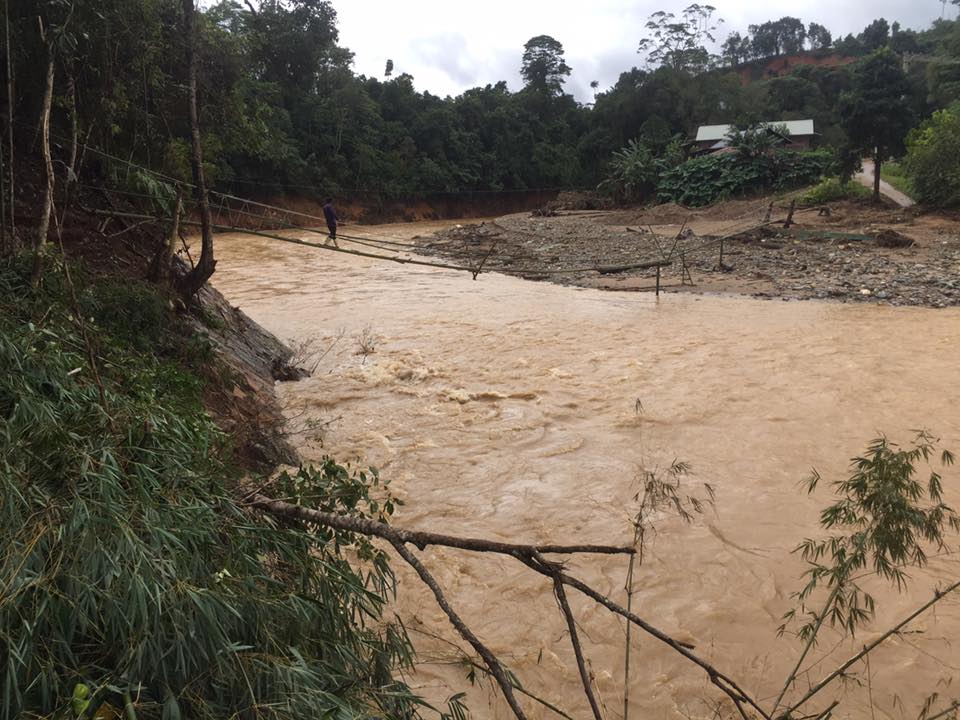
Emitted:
<point x="735" y="49"/>
<point x="875" y="35"/>
<point x="53" y="21"/>
<point x="849" y="45"/>
<point x="765" y="40"/>
<point x="792" y="34"/>
<point x="778" y="37"/>
<point x="680" y="42"/>
<point x="820" y="38"/>
<point x="876" y="112"/>
<point x="544" y="68"/>
<point x="195" y="279"/>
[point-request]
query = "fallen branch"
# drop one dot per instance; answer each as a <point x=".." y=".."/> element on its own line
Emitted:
<point x="575" y="641"/>
<point x="727" y="685"/>
<point x="467" y="660"/>
<point x="530" y="555"/>
<point x="496" y="669"/>
<point x="422" y="539"/>
<point x="954" y="706"/>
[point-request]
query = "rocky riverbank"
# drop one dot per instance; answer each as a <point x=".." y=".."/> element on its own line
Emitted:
<point x="849" y="252"/>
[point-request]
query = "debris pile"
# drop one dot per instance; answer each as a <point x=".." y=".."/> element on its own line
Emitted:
<point x="819" y="258"/>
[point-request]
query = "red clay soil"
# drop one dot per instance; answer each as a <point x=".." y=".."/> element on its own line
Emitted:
<point x="371" y="211"/>
<point x="784" y="65"/>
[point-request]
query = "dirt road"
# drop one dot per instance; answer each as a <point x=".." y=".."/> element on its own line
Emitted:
<point x="865" y="177"/>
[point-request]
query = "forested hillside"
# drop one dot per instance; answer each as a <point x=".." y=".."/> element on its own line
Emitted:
<point x="282" y="111"/>
<point x="153" y="564"/>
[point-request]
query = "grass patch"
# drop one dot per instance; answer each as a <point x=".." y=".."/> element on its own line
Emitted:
<point x="895" y="174"/>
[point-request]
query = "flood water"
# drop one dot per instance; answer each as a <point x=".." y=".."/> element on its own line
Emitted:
<point x="511" y="410"/>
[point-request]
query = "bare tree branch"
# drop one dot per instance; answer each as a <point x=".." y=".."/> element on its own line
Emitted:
<point x="496" y="669"/>
<point x="727" y="685"/>
<point x="575" y="641"/>
<point x="937" y="597"/>
<point x="465" y="658"/>
<point x="529" y="555"/>
<point x="954" y="706"/>
<point x="421" y="539"/>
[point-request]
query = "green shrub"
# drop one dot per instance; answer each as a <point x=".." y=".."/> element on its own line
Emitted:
<point x="131" y="311"/>
<point x="636" y="169"/>
<point x="933" y="158"/>
<point x="706" y="179"/>
<point x="794" y="169"/>
<point x="130" y="569"/>
<point x="834" y="190"/>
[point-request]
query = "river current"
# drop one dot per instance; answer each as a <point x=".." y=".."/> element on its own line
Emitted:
<point x="527" y="412"/>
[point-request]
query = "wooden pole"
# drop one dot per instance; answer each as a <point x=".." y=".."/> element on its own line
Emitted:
<point x="789" y="221"/>
<point x="658" y="281"/>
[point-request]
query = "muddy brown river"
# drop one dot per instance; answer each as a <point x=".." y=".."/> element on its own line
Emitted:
<point x="509" y="409"/>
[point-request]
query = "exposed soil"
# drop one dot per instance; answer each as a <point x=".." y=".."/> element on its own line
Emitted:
<point x="374" y="209"/>
<point x="849" y="251"/>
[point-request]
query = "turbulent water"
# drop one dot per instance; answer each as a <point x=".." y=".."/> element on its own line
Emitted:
<point x="527" y="411"/>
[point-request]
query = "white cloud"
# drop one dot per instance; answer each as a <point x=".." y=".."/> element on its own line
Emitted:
<point x="449" y="47"/>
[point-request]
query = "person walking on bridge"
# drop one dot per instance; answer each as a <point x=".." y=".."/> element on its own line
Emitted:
<point x="331" y="217"/>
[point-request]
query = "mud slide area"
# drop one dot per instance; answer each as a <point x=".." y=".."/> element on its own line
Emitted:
<point x="509" y="409"/>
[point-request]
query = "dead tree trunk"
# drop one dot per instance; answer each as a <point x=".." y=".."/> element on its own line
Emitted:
<point x="195" y="279"/>
<point x="40" y="239"/>
<point x="877" y="163"/>
<point x="789" y="221"/>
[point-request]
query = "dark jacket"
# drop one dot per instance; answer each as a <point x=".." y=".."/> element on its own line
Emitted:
<point x="330" y="214"/>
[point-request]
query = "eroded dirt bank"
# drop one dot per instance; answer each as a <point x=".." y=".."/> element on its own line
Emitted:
<point x="857" y="253"/>
<point x="508" y="409"/>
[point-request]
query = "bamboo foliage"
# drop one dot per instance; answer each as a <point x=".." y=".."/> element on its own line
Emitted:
<point x="127" y="568"/>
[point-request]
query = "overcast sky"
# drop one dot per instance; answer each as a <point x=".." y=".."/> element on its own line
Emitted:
<point x="449" y="46"/>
